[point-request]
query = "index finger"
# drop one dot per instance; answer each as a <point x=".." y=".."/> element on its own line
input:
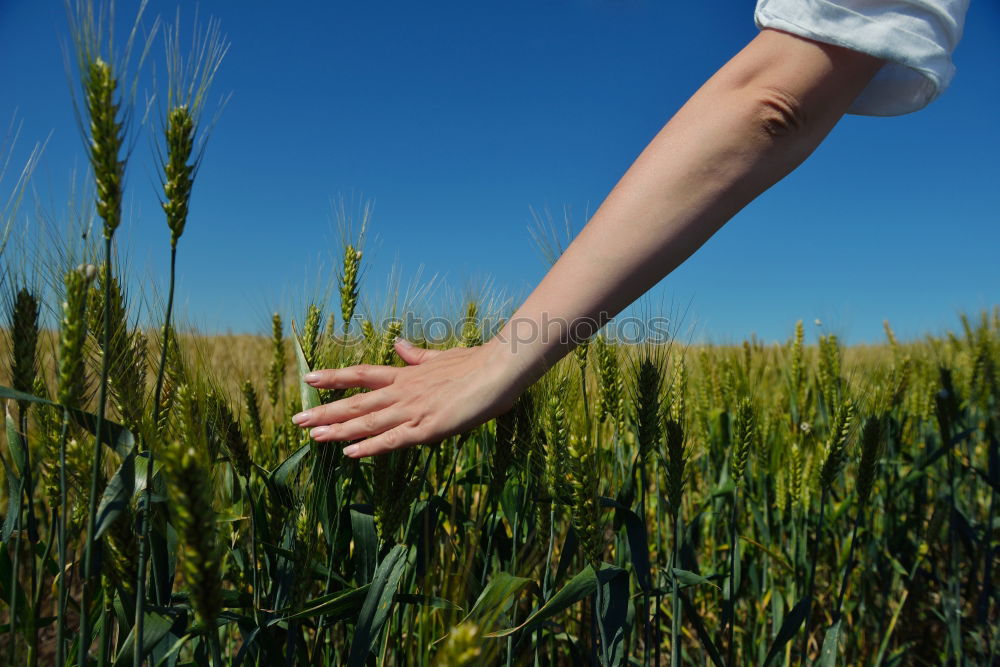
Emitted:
<point x="364" y="375"/>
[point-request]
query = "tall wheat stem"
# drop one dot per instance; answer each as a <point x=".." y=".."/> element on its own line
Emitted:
<point x="953" y="610"/>
<point x="849" y="567"/>
<point x="28" y="487"/>
<point x="658" y="596"/>
<point x="987" y="567"/>
<point x="731" y="616"/>
<point x="812" y="573"/>
<point x="247" y="492"/>
<point x="61" y="593"/>
<point x="946" y="412"/>
<point x="140" y="586"/>
<point x="675" y="617"/>
<point x="513" y="566"/>
<point x="37" y="600"/>
<point x="647" y="624"/>
<point x="95" y="469"/>
<point x="15" y="566"/>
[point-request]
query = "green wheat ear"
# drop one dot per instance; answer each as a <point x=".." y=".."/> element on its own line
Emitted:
<point x="122" y="549"/>
<point x="780" y="489"/>
<point x="47" y="420"/>
<point x="179" y="170"/>
<point x="585" y="484"/>
<point x="610" y="383"/>
<point x="529" y="441"/>
<point x="276" y="372"/>
<point x="676" y="464"/>
<point x="24" y="342"/>
<point x="872" y="447"/>
<point x="310" y="335"/>
<point x="678" y="392"/>
<point x="387" y="354"/>
<point x="557" y="437"/>
<point x="743" y="436"/>
<point x="648" y="407"/>
<point x="580" y="354"/>
<point x="253" y="409"/>
<point x="796" y="474"/>
<point x="464" y="647"/>
<point x="173" y="378"/>
<point x="107" y="137"/>
<point x="829" y="368"/>
<point x="330" y="330"/>
<point x="229" y="434"/>
<point x="349" y="279"/>
<point x="370" y="337"/>
<point x="395" y="485"/>
<point x="191" y="506"/>
<point x="798" y="368"/>
<point x="471" y="334"/>
<point x="839" y="439"/>
<point x="73" y="338"/>
<point x="890" y="336"/>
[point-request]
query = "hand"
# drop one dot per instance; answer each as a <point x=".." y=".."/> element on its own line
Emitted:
<point x="438" y="394"/>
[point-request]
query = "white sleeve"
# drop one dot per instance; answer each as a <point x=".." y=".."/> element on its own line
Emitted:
<point x="915" y="37"/>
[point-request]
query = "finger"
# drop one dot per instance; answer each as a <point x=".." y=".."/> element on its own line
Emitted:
<point x="345" y="409"/>
<point x="412" y="354"/>
<point x="399" y="437"/>
<point x="367" y="425"/>
<point x="365" y="375"/>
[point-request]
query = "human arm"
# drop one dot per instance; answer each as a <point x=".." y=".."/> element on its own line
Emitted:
<point x="747" y="127"/>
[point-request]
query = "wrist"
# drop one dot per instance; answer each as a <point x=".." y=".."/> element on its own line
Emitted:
<point x="517" y="361"/>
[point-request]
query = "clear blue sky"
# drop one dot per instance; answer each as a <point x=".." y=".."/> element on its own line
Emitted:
<point x="456" y="117"/>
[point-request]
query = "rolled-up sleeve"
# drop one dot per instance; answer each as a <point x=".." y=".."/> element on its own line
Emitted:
<point x="916" y="38"/>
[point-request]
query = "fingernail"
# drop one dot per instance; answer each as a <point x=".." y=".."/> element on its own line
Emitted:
<point x="350" y="450"/>
<point x="402" y="342"/>
<point x="311" y="377"/>
<point x="300" y="418"/>
<point x="318" y="431"/>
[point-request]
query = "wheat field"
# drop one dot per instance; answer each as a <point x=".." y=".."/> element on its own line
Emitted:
<point x="650" y="503"/>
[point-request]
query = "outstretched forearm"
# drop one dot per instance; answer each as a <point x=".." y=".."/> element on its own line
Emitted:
<point x="747" y="127"/>
<point x="750" y="125"/>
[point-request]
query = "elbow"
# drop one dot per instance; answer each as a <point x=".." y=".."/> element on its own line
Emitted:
<point x="778" y="114"/>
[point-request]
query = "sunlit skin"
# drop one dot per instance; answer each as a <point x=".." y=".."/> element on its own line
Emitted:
<point x="745" y="129"/>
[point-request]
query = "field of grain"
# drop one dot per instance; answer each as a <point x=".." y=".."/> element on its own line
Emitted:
<point x="647" y="503"/>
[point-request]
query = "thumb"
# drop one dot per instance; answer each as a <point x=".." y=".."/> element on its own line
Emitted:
<point x="412" y="354"/>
